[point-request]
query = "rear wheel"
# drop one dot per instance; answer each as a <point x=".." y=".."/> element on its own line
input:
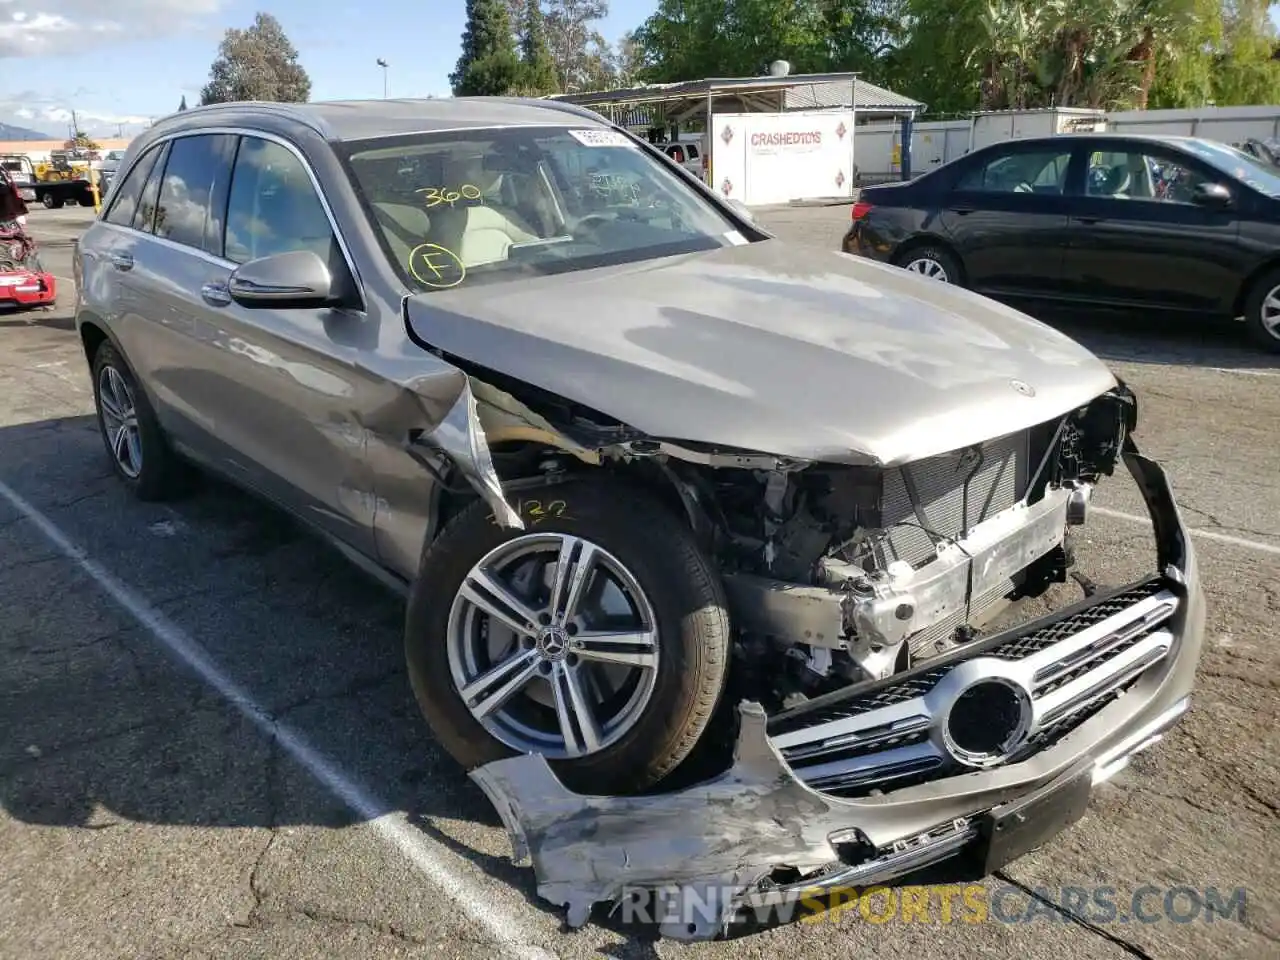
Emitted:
<point x="138" y="450"/>
<point x="597" y="637"/>
<point x="51" y="201"/>
<point x="1262" y="311"/>
<point x="933" y="262"/>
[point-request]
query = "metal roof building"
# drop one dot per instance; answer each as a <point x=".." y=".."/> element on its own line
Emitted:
<point x="663" y="104"/>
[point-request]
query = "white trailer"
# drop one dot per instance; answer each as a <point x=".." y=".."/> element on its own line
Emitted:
<point x="879" y="147"/>
<point x="999" y="126"/>
<point x="1225" y="124"/>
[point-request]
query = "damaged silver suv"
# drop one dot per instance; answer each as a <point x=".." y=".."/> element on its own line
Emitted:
<point x="705" y="537"/>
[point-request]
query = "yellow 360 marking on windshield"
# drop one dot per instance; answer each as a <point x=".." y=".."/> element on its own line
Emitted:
<point x="435" y="266"/>
<point x="434" y="196"/>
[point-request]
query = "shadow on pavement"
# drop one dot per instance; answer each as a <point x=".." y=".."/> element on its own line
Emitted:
<point x="1170" y="340"/>
<point x="103" y="725"/>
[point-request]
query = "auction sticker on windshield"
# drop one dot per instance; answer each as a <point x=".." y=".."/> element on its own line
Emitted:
<point x="600" y="138"/>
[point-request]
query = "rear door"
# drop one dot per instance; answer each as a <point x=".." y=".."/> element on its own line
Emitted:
<point x="1006" y="213"/>
<point x="174" y="255"/>
<point x="1137" y="239"/>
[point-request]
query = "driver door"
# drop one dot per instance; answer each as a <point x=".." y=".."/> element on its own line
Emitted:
<point x="1137" y="239"/>
<point x="1007" y="215"/>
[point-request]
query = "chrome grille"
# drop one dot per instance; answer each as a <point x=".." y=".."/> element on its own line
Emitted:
<point x="949" y="494"/>
<point x="1070" y="667"/>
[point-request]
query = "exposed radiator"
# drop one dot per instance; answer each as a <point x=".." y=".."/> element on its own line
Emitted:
<point x="951" y="493"/>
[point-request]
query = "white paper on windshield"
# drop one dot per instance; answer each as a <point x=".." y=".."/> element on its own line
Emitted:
<point x="601" y="138"/>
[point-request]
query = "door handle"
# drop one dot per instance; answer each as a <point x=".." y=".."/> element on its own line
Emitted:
<point x="1090" y="220"/>
<point x="122" y="261"/>
<point x="216" y="294"/>
<point x="962" y="211"/>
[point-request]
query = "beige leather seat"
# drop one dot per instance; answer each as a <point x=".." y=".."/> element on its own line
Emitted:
<point x="478" y="231"/>
<point x="404" y="225"/>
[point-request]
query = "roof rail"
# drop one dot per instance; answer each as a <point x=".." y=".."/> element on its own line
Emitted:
<point x="287" y="111"/>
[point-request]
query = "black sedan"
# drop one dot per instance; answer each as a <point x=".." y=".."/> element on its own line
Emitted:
<point x="1170" y="223"/>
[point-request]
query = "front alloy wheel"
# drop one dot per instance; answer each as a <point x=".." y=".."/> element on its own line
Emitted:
<point x="553" y="645"/>
<point x="597" y="636"/>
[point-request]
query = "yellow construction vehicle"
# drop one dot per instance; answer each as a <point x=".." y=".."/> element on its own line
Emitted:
<point x="63" y="165"/>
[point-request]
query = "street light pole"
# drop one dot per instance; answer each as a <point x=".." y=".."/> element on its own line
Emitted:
<point x="383" y="64"/>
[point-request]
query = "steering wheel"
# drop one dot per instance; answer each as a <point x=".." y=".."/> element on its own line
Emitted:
<point x="594" y="221"/>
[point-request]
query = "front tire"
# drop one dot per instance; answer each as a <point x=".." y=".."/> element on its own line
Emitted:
<point x="135" y="444"/>
<point x="1262" y="311"/>
<point x="50" y="201"/>
<point x="597" y="636"/>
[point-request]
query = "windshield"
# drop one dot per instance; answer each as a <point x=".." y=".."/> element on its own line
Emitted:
<point x="1236" y="163"/>
<point x="481" y="206"/>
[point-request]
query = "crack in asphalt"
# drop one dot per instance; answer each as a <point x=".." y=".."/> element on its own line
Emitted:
<point x="355" y="686"/>
<point x="1217" y="523"/>
<point x="30" y="562"/>
<point x="46" y="753"/>
<point x="271" y="778"/>
<point x="1131" y="948"/>
<point x="1228" y="775"/>
<point x="1249" y="679"/>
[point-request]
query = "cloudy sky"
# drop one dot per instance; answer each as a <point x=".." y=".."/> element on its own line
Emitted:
<point x="120" y="63"/>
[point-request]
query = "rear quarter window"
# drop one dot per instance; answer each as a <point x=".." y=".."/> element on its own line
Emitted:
<point x="125" y="203"/>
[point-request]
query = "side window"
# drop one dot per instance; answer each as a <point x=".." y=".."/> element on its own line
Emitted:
<point x="676" y="154"/>
<point x="1024" y="171"/>
<point x="273" y="208"/>
<point x="693" y="152"/>
<point x="126" y="199"/>
<point x="1133" y="175"/>
<point x="144" y="217"/>
<point x="193" y="191"/>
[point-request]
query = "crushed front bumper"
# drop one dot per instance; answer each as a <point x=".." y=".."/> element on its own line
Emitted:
<point x="883" y="778"/>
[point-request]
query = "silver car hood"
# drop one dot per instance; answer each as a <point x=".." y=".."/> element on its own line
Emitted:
<point x="774" y="348"/>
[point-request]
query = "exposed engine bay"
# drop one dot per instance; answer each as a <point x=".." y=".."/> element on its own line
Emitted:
<point x="838" y="574"/>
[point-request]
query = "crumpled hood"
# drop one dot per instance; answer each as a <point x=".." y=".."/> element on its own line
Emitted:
<point x="775" y="348"/>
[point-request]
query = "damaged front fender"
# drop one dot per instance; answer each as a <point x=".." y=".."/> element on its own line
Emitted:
<point x="460" y="437"/>
<point x="482" y="415"/>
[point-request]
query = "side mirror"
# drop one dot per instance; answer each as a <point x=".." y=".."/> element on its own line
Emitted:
<point x="742" y="210"/>
<point x="1211" y="195"/>
<point x="298" y="278"/>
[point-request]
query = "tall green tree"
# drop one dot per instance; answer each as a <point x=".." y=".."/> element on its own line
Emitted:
<point x="583" y="59"/>
<point x="257" y="63"/>
<point x="488" y="65"/>
<point x="537" y="69"/>
<point x="1245" y="68"/>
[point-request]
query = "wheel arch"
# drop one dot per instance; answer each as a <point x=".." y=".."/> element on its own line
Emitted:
<point x="1250" y="280"/>
<point x="93" y="334"/>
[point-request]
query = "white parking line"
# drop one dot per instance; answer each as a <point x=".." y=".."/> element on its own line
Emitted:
<point x="1246" y="371"/>
<point x="1247" y="544"/>
<point x="439" y="864"/>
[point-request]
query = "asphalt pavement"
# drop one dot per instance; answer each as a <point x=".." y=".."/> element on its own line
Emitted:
<point x="210" y="748"/>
